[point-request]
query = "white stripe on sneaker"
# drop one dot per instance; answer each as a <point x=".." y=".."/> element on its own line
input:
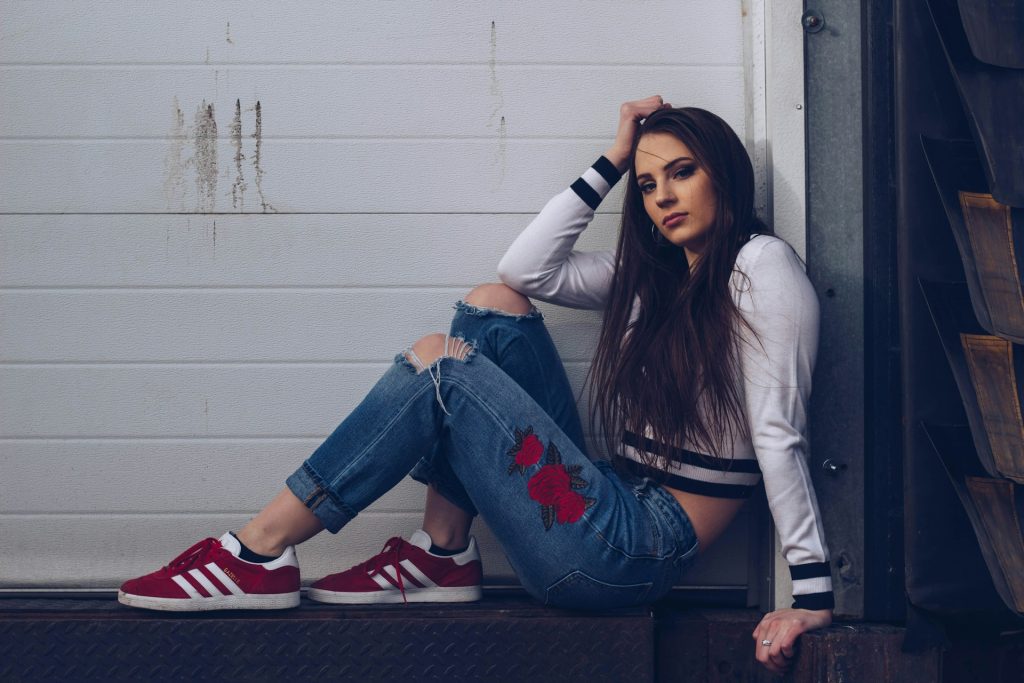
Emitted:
<point x="406" y="577"/>
<point x="205" y="582"/>
<point x="390" y="569"/>
<point x="415" y="573"/>
<point x="186" y="586"/>
<point x="382" y="582"/>
<point x="224" y="579"/>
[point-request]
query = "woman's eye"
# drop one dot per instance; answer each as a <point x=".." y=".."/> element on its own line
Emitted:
<point x="684" y="172"/>
<point x="646" y="188"/>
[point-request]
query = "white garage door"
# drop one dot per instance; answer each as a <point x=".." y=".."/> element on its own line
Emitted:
<point x="220" y="221"/>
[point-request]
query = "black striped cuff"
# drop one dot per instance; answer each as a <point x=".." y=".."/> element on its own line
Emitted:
<point x="607" y="170"/>
<point x="811" y="570"/>
<point x="585" y="192"/>
<point x="814" y="601"/>
<point x="589" y="195"/>
<point x="814" y="576"/>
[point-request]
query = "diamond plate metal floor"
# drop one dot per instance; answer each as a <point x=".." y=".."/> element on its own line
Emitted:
<point x="507" y="637"/>
<point x="499" y="639"/>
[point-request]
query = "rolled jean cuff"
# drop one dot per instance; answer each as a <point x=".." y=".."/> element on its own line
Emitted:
<point x="309" y="487"/>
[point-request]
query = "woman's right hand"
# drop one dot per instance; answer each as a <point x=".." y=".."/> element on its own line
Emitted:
<point x="630" y="116"/>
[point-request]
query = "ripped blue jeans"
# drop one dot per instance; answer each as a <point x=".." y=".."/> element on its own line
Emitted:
<point x="495" y="429"/>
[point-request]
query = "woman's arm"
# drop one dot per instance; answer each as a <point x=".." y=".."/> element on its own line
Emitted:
<point x="777" y="359"/>
<point x="541" y="262"/>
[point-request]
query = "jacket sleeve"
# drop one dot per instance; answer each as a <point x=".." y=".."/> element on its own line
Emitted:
<point x="777" y="359"/>
<point x="542" y="263"/>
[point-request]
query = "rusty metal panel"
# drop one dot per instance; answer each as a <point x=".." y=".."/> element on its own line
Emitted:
<point x="954" y="168"/>
<point x="990" y="226"/>
<point x="997" y="502"/>
<point x="951" y="312"/>
<point x="998" y="538"/>
<point x="985" y="235"/>
<point x="991" y="364"/>
<point x="715" y="646"/>
<point x="862" y="652"/>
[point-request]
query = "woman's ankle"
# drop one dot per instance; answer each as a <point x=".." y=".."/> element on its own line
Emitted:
<point x="260" y="544"/>
<point x="447" y="538"/>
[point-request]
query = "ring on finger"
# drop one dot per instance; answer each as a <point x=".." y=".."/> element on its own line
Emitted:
<point x="766" y="642"/>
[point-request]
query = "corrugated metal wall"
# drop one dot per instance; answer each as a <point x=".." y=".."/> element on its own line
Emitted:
<point x="219" y="222"/>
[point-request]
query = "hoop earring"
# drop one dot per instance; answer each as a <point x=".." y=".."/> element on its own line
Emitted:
<point x="656" y="235"/>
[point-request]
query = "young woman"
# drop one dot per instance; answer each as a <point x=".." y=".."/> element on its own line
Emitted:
<point x="700" y="382"/>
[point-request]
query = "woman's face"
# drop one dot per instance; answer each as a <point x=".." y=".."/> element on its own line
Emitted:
<point x="677" y="192"/>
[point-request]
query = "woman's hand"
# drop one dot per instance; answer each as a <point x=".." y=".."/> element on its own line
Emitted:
<point x="630" y="116"/>
<point x="782" y="627"/>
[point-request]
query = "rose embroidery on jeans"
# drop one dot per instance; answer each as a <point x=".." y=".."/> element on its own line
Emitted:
<point x="526" y="452"/>
<point x="548" y="483"/>
<point x="552" y="486"/>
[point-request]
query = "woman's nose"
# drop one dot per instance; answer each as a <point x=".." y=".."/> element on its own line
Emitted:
<point x="665" y="197"/>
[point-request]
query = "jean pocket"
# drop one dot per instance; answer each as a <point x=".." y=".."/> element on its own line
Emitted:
<point x="578" y="590"/>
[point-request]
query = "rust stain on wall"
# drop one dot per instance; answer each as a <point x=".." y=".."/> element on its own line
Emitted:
<point x="239" y="187"/>
<point x="258" y="159"/>
<point x="497" y="95"/>
<point x="174" y="181"/>
<point x="204" y="137"/>
<point x="498" y="101"/>
<point x="204" y="159"/>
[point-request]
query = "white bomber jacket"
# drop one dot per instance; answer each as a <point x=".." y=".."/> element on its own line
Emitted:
<point x="775" y="297"/>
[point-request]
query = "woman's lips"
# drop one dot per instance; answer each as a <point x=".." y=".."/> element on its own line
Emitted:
<point x="674" y="219"/>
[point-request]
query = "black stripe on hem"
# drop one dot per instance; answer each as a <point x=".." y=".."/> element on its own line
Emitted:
<point x="686" y="457"/>
<point x="607" y="170"/>
<point x="811" y="570"/>
<point x="585" y="192"/>
<point x="703" y="488"/>
<point x="814" y="601"/>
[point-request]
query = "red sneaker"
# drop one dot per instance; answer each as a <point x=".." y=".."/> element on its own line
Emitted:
<point x="210" y="575"/>
<point x="405" y="572"/>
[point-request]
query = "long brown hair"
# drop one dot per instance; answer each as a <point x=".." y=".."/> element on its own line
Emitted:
<point x="674" y="368"/>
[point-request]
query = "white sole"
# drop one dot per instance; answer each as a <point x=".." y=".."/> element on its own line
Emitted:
<point x="270" y="601"/>
<point x="460" y="594"/>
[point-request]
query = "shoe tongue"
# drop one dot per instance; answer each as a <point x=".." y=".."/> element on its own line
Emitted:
<point x="231" y="543"/>
<point x="421" y="539"/>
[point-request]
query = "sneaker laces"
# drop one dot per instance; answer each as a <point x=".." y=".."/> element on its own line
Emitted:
<point x="390" y="555"/>
<point x="190" y="557"/>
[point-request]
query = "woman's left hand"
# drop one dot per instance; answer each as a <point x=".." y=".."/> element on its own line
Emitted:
<point x="782" y="627"/>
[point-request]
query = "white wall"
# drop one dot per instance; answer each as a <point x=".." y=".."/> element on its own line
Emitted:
<point x="186" y="312"/>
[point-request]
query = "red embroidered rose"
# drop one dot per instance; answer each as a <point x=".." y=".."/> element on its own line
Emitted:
<point x="553" y="484"/>
<point x="570" y="506"/>
<point x="531" y="450"/>
<point x="548" y="484"/>
<point x="526" y="451"/>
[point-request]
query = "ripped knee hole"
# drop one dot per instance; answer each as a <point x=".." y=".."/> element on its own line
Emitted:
<point x="436" y="346"/>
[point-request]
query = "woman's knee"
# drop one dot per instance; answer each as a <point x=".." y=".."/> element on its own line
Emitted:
<point x="499" y="297"/>
<point x="428" y="349"/>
